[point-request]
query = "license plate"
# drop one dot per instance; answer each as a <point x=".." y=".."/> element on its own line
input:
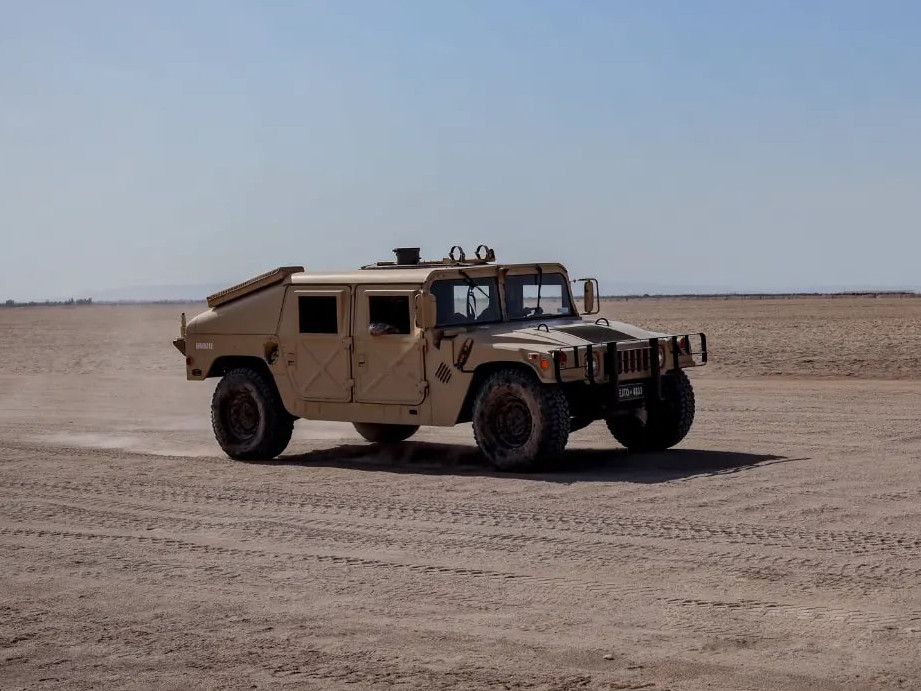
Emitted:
<point x="629" y="392"/>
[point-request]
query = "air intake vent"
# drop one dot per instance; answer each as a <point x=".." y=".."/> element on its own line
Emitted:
<point x="443" y="373"/>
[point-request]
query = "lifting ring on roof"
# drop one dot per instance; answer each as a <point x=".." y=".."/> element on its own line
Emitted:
<point x="455" y="251"/>
<point x="484" y="254"/>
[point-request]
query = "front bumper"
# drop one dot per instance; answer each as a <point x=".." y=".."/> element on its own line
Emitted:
<point x="614" y="363"/>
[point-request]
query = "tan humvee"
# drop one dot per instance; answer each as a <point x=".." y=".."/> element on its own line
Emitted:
<point x="396" y="345"/>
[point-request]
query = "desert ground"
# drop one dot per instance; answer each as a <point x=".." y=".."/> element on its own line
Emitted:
<point x="778" y="547"/>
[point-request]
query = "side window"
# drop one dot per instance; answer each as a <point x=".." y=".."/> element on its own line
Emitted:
<point x="318" y="314"/>
<point x="389" y="314"/>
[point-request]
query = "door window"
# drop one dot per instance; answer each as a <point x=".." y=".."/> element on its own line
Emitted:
<point x="318" y="314"/>
<point x="389" y="314"/>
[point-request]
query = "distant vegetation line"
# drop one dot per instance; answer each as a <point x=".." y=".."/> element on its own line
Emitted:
<point x="49" y="303"/>
<point x="768" y="296"/>
<point x="89" y="301"/>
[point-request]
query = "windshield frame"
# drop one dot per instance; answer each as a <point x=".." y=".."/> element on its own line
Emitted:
<point x="543" y="277"/>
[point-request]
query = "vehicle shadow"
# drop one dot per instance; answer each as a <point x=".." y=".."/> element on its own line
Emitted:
<point x="577" y="465"/>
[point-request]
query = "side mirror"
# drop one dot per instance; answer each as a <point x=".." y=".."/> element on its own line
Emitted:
<point x="426" y="311"/>
<point x="591" y="303"/>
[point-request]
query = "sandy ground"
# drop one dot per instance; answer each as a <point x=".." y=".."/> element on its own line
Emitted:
<point x="779" y="547"/>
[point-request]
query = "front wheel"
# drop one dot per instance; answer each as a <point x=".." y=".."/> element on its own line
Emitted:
<point x="667" y="421"/>
<point x="518" y="422"/>
<point x="385" y="434"/>
<point x="249" y="420"/>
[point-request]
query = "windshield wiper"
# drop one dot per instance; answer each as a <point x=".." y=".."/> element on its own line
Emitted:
<point x="473" y="284"/>
<point x="540" y="284"/>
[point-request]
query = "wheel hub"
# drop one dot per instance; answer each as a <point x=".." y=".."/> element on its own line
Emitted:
<point x="242" y="415"/>
<point x="513" y="421"/>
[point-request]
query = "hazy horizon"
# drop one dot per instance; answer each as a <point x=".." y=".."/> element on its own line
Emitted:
<point x="198" y="293"/>
<point x="768" y="147"/>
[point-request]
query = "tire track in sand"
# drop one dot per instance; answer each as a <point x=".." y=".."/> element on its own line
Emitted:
<point x="847" y="576"/>
<point x="375" y="507"/>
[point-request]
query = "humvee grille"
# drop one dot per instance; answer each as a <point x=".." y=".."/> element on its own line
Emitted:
<point x="633" y="360"/>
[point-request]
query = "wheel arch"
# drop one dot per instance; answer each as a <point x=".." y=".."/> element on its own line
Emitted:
<point x="226" y="363"/>
<point x="272" y="424"/>
<point x="480" y="374"/>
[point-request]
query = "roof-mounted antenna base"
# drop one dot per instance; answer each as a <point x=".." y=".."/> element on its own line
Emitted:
<point x="407" y="255"/>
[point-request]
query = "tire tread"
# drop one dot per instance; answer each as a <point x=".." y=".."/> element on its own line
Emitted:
<point x="554" y="423"/>
<point x="279" y="426"/>
<point x="385" y="434"/>
<point x="665" y="426"/>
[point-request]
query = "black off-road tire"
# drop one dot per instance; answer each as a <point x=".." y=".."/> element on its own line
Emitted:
<point x="519" y="423"/>
<point x="249" y="420"/>
<point x="385" y="434"/>
<point x="667" y="421"/>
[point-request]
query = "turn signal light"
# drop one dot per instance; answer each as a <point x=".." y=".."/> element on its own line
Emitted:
<point x="542" y="361"/>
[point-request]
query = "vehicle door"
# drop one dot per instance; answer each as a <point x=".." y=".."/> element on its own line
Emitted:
<point x="388" y="359"/>
<point x="317" y="344"/>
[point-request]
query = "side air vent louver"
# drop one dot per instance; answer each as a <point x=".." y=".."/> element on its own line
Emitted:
<point x="443" y="373"/>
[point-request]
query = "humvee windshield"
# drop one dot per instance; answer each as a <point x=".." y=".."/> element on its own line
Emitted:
<point x="467" y="301"/>
<point x="529" y="295"/>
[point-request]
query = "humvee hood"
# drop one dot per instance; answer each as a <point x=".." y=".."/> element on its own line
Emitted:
<point x="575" y="333"/>
<point x="602" y="333"/>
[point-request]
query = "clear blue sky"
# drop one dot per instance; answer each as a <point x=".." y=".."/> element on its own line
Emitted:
<point x="745" y="145"/>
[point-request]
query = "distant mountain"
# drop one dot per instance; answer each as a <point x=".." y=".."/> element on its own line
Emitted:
<point x="642" y="288"/>
<point x="198" y="292"/>
<point x="183" y="293"/>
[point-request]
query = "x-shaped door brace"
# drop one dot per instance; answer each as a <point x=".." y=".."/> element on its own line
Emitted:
<point x="322" y="367"/>
<point x="415" y="347"/>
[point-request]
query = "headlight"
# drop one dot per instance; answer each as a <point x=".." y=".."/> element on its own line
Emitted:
<point x="596" y="359"/>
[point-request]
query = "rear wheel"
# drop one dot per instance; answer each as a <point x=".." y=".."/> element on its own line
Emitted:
<point x="385" y="434"/>
<point x="249" y="420"/>
<point x="518" y="422"/>
<point x="667" y="421"/>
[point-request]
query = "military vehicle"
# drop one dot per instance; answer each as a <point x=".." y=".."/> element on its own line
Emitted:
<point x="399" y="344"/>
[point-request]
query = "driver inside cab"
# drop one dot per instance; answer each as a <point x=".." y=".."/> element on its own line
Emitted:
<point x="454" y="295"/>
